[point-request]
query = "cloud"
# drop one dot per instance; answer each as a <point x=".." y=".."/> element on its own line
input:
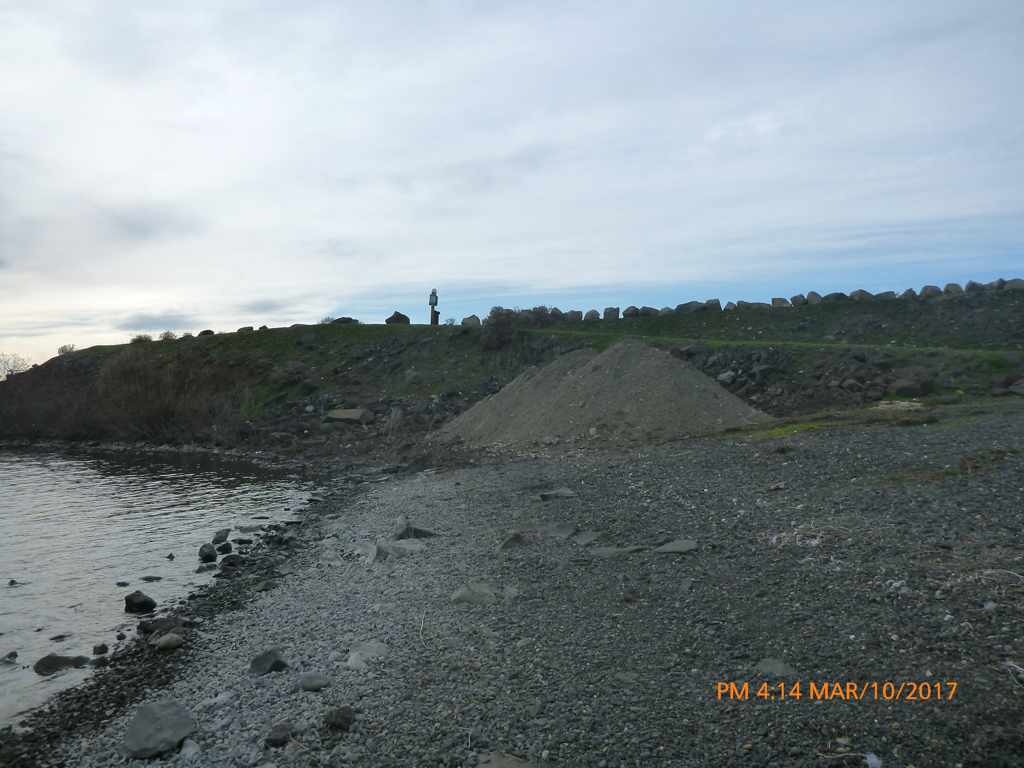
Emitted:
<point x="158" y="321"/>
<point x="142" y="223"/>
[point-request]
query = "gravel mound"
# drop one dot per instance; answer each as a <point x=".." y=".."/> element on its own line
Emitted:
<point x="630" y="392"/>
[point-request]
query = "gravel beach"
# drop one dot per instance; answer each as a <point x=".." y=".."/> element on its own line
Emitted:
<point x="532" y="631"/>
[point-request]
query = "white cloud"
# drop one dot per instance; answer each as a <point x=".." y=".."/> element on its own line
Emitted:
<point x="198" y="160"/>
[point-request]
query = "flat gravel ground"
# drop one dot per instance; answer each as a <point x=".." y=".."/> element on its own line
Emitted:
<point x="864" y="554"/>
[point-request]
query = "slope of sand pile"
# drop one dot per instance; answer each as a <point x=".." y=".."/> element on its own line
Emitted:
<point x="630" y="392"/>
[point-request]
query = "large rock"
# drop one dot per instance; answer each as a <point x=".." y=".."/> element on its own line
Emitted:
<point x="611" y="313"/>
<point x="798" y="301"/>
<point x="713" y="304"/>
<point x="339" y="718"/>
<point x="53" y="663"/>
<point x="574" y="316"/>
<point x="159" y="626"/>
<point x="471" y="321"/>
<point x="833" y="297"/>
<point x="592" y="315"/>
<point x="689" y="307"/>
<point x="397" y="318"/>
<point x="861" y="295"/>
<point x="649" y="312"/>
<point x="631" y="312"/>
<point x="910" y="293"/>
<point x="778" y="303"/>
<point x="167" y="642"/>
<point x="729" y="306"/>
<point x="157" y="728"/>
<point x="279" y="735"/>
<point x="350" y="415"/>
<point x="1017" y="284"/>
<point x="974" y="287"/>
<point x="931" y="292"/>
<point x="268" y="661"/>
<point x="207" y="553"/>
<point x="138" y="602"/>
<point x="221" y="536"/>
<point x="813" y="297"/>
<point x="953" y="289"/>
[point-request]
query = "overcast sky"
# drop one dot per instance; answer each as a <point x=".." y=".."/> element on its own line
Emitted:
<point x="215" y="164"/>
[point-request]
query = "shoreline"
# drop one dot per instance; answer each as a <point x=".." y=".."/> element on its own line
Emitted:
<point x="831" y="554"/>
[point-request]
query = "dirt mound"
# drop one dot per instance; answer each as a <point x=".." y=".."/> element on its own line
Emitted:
<point x="631" y="392"/>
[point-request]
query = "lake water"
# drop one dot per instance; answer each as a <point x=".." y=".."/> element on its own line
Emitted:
<point x="74" y="526"/>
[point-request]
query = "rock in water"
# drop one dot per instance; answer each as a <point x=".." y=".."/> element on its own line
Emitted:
<point x="53" y="663"/>
<point x="138" y="602"/>
<point x="157" y="728"/>
<point x="224" y="548"/>
<point x="268" y="661"/>
<point x="557" y="493"/>
<point x="221" y="536"/>
<point x="207" y="553"/>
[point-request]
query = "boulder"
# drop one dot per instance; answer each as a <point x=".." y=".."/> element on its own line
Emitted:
<point x="231" y="561"/>
<point x="813" y="297"/>
<point x="207" y="553"/>
<point x="689" y="307"/>
<point x="886" y="295"/>
<point x="157" y="728"/>
<point x="829" y="298"/>
<point x="167" y="642"/>
<point x="268" y="661"/>
<point x="555" y="314"/>
<point x="350" y="415"/>
<point x="344" y="321"/>
<point x="160" y="626"/>
<point x="573" y="316"/>
<point x="648" y="312"/>
<point x="630" y="312"/>
<point x="861" y="295"/>
<point x="973" y="287"/>
<point x="729" y="307"/>
<point x="52" y="663"/>
<point x="592" y="315"/>
<point x="779" y="302"/>
<point x="206" y="332"/>
<point x="713" y="304"/>
<point x="798" y="301"/>
<point x="471" y="321"/>
<point x="1017" y="284"/>
<point x="611" y="313"/>
<point x="953" y="289"/>
<point x="727" y="377"/>
<point x="221" y="536"/>
<point x="100" y="649"/>
<point x="910" y="293"/>
<point x="664" y="311"/>
<point x="138" y="602"/>
<point x="245" y="329"/>
<point x="931" y="292"/>
<point x="397" y="318"/>
<point x="225" y="548"/>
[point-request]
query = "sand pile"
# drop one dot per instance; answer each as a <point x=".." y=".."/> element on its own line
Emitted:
<point x="629" y="393"/>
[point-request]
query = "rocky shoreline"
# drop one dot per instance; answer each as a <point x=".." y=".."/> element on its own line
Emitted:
<point x="592" y="626"/>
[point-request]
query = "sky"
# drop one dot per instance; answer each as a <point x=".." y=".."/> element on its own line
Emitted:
<point x="208" y="164"/>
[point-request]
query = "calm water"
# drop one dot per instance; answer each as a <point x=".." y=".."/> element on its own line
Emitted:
<point x="73" y="527"/>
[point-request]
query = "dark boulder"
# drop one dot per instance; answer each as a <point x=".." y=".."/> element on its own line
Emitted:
<point x="53" y="663"/>
<point x="138" y="602"/>
<point x="221" y="536"/>
<point x="225" y="548"/>
<point x="268" y="661"/>
<point x="397" y="318"/>
<point x="207" y="553"/>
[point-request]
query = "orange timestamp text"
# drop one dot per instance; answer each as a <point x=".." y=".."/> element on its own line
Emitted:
<point x="838" y="690"/>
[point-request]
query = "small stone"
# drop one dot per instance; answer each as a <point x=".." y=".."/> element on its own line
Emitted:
<point x="314" y="682"/>
<point x="268" y="661"/>
<point x="475" y="593"/>
<point x="123" y="583"/>
<point x="774" y="667"/>
<point x="502" y="760"/>
<point x="728" y="377"/>
<point x="189" y="750"/>
<point x="557" y="493"/>
<point x="678" y="546"/>
<point x="279" y="735"/>
<point x="339" y="718"/>
<point x="100" y="649"/>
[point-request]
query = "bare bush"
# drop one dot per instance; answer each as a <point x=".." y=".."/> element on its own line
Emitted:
<point x="168" y="336"/>
<point x="65" y="349"/>
<point x="11" y="364"/>
<point x="141" y="338"/>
